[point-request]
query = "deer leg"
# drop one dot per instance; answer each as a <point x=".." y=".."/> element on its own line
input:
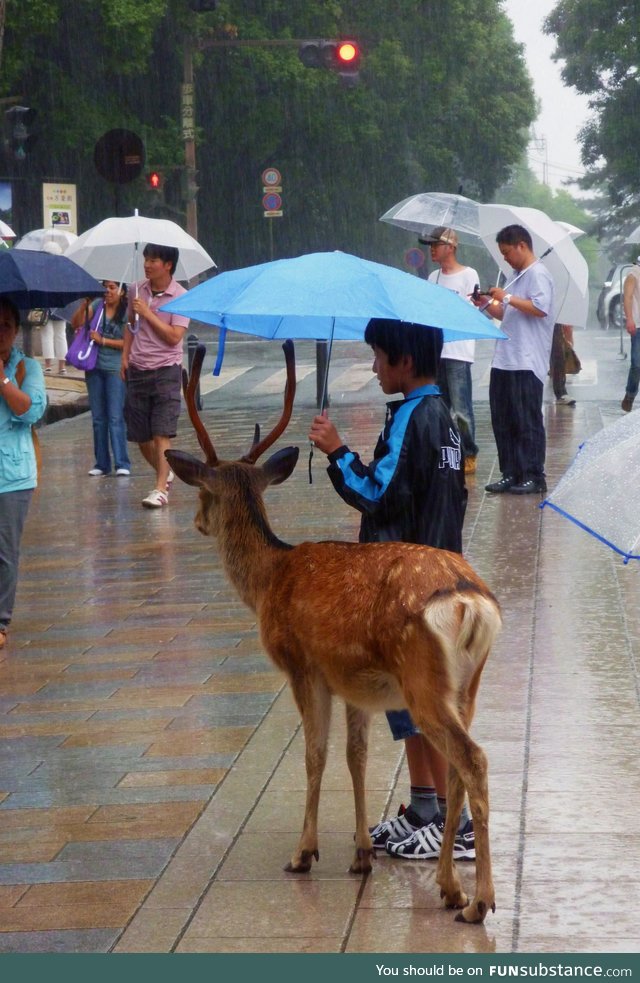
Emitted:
<point x="469" y="763"/>
<point x="447" y="876"/>
<point x="314" y="702"/>
<point x="357" y="743"/>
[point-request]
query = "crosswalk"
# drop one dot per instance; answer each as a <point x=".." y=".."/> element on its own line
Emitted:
<point x="253" y="382"/>
<point x="258" y="381"/>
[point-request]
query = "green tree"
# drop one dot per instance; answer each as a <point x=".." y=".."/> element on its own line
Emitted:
<point x="599" y="42"/>
<point x="435" y="78"/>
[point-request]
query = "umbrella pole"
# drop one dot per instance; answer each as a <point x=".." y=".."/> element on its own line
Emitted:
<point x="323" y="401"/>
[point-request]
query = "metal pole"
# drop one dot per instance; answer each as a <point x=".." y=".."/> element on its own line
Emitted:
<point x="192" y="344"/>
<point x="322" y="368"/>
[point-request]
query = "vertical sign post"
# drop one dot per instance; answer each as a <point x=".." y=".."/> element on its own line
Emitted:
<point x="271" y="199"/>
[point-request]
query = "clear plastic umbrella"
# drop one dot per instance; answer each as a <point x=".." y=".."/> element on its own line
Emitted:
<point x="599" y="492"/>
<point x="424" y="212"/>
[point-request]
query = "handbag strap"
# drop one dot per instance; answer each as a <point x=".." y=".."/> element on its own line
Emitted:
<point x="21" y="370"/>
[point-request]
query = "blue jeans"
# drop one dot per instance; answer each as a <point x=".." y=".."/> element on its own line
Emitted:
<point x="454" y="382"/>
<point x="106" y="401"/>
<point x="633" y="379"/>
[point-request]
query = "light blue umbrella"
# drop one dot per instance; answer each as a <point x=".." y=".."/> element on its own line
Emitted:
<point x="327" y="296"/>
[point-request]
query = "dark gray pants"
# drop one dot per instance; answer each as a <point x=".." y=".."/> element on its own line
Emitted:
<point x="515" y="398"/>
<point x="13" y="512"/>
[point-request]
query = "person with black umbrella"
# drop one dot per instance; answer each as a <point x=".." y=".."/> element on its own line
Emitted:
<point x="23" y="401"/>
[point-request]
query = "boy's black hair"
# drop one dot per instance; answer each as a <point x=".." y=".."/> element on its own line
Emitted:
<point x="398" y="338"/>
<point x="511" y="235"/>
<point x="168" y="254"/>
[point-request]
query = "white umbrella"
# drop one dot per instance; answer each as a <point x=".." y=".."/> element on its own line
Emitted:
<point x="424" y="212"/>
<point x="573" y="230"/>
<point x="112" y="250"/>
<point x="633" y="238"/>
<point x="41" y="238"/>
<point x="553" y="246"/>
<point x="6" y="232"/>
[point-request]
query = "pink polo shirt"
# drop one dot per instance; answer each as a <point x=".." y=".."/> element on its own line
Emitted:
<point x="148" y="351"/>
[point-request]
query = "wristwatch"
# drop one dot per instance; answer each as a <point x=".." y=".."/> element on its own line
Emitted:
<point x="6" y="380"/>
<point x="506" y="300"/>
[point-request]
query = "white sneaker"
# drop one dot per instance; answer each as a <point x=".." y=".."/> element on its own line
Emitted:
<point x="96" y="473"/>
<point x="123" y="472"/>
<point x="566" y="400"/>
<point x="155" y="499"/>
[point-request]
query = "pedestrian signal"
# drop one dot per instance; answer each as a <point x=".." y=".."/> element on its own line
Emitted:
<point x="154" y="180"/>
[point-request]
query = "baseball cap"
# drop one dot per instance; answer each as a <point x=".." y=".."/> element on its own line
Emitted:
<point x="440" y="234"/>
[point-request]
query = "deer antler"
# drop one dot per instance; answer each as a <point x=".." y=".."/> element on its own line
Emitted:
<point x="189" y="386"/>
<point x="260" y="446"/>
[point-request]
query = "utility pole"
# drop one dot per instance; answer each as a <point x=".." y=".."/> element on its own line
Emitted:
<point x="189" y="137"/>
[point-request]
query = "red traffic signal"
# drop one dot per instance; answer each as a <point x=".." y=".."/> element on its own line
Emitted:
<point x="338" y="56"/>
<point x="154" y="180"/>
<point x="347" y="54"/>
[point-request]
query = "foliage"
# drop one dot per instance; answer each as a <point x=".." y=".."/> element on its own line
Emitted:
<point x="436" y="74"/>
<point x="599" y="41"/>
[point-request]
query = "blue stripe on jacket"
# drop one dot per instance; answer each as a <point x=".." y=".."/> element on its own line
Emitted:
<point x="373" y="488"/>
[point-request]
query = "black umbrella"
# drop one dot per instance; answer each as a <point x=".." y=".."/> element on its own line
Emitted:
<point x="37" y="279"/>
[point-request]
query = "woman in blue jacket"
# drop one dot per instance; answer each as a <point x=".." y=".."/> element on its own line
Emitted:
<point x="23" y="400"/>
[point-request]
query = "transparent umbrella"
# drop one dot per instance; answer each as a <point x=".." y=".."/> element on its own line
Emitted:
<point x="598" y="492"/>
<point x="424" y="212"/>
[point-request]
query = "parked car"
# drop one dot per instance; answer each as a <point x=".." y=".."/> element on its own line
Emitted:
<point x="610" y="311"/>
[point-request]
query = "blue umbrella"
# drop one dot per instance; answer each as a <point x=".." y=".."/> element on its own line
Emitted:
<point x="38" y="279"/>
<point x="327" y="296"/>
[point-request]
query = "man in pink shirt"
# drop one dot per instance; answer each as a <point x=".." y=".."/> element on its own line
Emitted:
<point x="152" y="366"/>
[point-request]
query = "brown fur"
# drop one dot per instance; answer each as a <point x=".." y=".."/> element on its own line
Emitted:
<point x="381" y="625"/>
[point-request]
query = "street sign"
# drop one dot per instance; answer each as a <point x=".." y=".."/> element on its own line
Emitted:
<point x="271" y="202"/>
<point x="271" y="177"/>
<point x="119" y="156"/>
<point x="414" y="258"/>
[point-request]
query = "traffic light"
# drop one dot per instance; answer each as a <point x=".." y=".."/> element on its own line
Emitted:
<point x="20" y="122"/>
<point x="338" y="56"/>
<point x="155" y="180"/>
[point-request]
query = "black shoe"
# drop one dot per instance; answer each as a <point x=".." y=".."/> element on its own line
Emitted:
<point x="497" y="487"/>
<point x="529" y="487"/>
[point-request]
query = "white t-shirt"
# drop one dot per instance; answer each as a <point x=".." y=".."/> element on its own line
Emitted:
<point x="528" y="345"/>
<point x="462" y="283"/>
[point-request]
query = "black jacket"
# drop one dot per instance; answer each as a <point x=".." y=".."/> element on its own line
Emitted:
<point x="413" y="491"/>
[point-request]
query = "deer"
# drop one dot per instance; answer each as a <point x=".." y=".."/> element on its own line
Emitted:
<point x="379" y="625"/>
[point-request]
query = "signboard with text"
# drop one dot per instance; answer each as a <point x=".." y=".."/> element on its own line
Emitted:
<point x="59" y="207"/>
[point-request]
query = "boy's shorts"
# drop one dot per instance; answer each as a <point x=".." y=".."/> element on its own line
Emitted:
<point x="401" y="724"/>
<point x="152" y="404"/>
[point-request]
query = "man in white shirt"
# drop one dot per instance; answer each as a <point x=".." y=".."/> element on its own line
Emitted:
<point x="454" y="374"/>
<point x="520" y="365"/>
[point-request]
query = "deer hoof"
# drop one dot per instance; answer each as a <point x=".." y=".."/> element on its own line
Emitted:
<point x="454" y="899"/>
<point x="474" y="914"/>
<point x="362" y="862"/>
<point x="303" y="864"/>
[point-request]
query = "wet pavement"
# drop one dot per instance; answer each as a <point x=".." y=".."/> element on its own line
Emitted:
<point x="152" y="777"/>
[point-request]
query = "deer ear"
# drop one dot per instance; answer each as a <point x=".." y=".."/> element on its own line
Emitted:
<point x="189" y="469"/>
<point x="280" y="465"/>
